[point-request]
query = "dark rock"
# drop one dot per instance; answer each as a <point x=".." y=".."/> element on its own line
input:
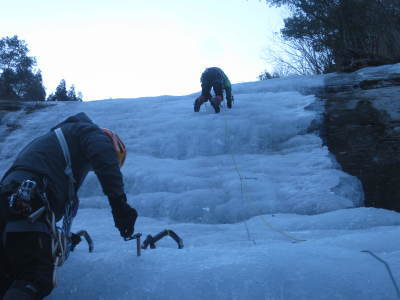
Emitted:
<point x="362" y="129"/>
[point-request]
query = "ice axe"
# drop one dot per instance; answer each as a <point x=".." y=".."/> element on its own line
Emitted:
<point x="136" y="237"/>
<point x="151" y="240"/>
<point x="76" y="239"/>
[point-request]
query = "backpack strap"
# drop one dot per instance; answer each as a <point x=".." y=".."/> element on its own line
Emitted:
<point x="72" y="200"/>
<point x="65" y="150"/>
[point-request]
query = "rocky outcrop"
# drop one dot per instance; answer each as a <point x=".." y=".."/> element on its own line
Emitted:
<point x="7" y="126"/>
<point x="362" y="129"/>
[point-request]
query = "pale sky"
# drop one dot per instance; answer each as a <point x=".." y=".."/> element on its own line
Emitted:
<point x="137" y="48"/>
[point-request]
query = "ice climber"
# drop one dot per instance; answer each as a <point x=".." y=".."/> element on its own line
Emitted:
<point x="40" y="188"/>
<point x="214" y="78"/>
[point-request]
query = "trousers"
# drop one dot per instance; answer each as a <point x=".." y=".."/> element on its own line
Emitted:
<point x="24" y="256"/>
<point x="27" y="256"/>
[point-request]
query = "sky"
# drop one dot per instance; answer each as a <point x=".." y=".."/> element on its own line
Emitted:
<point x="135" y="48"/>
<point x="262" y="206"/>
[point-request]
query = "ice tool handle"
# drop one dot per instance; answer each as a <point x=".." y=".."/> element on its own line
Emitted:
<point x="136" y="237"/>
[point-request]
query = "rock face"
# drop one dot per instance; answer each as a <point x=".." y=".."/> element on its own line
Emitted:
<point x="362" y="129"/>
<point x="8" y="125"/>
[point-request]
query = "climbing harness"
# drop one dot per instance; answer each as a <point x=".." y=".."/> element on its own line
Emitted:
<point x="20" y="202"/>
<point x="37" y="220"/>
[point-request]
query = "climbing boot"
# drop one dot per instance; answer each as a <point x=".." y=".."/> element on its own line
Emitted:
<point x="198" y="102"/>
<point x="229" y="102"/>
<point x="216" y="102"/>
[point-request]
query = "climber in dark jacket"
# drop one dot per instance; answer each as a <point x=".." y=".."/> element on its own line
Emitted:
<point x="214" y="78"/>
<point x="27" y="260"/>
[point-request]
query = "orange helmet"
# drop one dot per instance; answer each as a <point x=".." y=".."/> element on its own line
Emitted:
<point x="119" y="146"/>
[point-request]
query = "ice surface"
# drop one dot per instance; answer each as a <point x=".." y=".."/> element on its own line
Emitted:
<point x="238" y="187"/>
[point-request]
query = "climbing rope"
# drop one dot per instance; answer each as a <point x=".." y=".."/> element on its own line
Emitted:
<point x="291" y="237"/>
<point x="241" y="178"/>
<point x="387" y="268"/>
<point x="249" y="237"/>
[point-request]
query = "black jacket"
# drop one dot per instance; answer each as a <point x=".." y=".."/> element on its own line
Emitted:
<point x="90" y="149"/>
<point x="216" y="79"/>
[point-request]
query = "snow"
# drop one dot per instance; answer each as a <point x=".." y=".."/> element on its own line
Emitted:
<point x="262" y="206"/>
<point x="374" y="72"/>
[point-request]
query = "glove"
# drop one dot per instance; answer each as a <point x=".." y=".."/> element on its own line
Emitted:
<point x="124" y="216"/>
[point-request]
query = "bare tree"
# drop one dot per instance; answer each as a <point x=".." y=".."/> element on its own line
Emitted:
<point x="296" y="57"/>
<point x="353" y="33"/>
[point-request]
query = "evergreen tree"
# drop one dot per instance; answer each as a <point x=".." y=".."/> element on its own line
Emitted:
<point x="14" y="54"/>
<point x="72" y="94"/>
<point x="267" y="75"/>
<point x="6" y="90"/>
<point x="34" y="89"/>
<point x="18" y="78"/>
<point x="61" y="93"/>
